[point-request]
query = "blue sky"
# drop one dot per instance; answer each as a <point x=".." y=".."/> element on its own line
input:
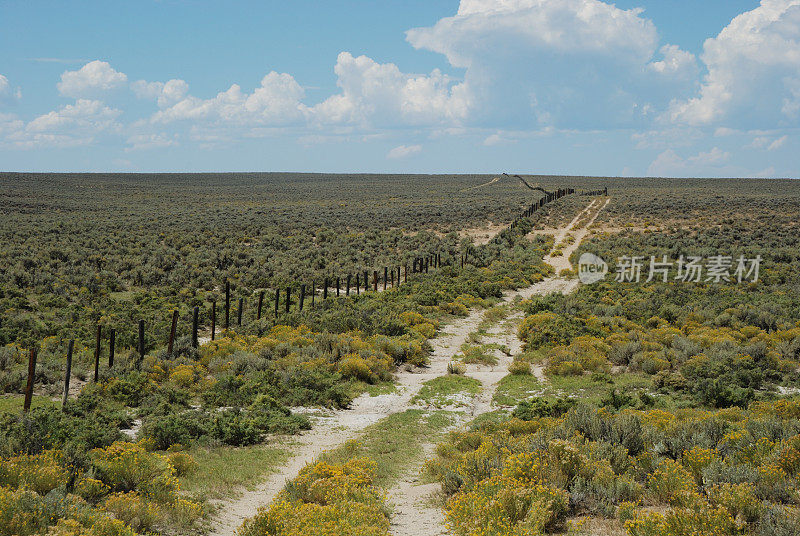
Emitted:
<point x="659" y="88"/>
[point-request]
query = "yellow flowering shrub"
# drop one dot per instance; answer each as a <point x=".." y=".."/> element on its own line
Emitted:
<point x="91" y="489"/>
<point x="133" y="509"/>
<point x="696" y="459"/>
<point x="130" y="467"/>
<point x="674" y="484"/>
<point x="739" y="499"/>
<point x="505" y="506"/>
<point x="353" y="366"/>
<point x="425" y="330"/>
<point x="325" y="500"/>
<point x="703" y="521"/>
<point x="590" y="353"/>
<point x="182" y="462"/>
<point x="494" y="476"/>
<point x="40" y="473"/>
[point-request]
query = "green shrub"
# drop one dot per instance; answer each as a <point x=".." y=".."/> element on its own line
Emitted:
<point x="528" y="410"/>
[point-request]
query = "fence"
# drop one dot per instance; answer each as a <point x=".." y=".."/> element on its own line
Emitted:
<point x="391" y="279"/>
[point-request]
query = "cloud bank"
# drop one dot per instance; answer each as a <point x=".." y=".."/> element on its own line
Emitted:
<point x="525" y="68"/>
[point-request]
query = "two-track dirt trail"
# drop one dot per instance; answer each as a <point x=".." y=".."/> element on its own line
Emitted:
<point x="336" y="428"/>
<point x="416" y="512"/>
<point x="413" y="512"/>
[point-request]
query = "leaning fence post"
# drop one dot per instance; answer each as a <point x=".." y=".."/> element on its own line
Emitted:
<point x="31" y="376"/>
<point x="111" y="343"/>
<point x="213" y="319"/>
<point x="67" y="373"/>
<point x="171" y="343"/>
<point x="239" y="312"/>
<point x="97" y="353"/>
<point x="302" y="296"/>
<point x="260" y="303"/>
<point x="358" y="284"/>
<point x="195" y="325"/>
<point x="141" y="345"/>
<point x="313" y="293"/>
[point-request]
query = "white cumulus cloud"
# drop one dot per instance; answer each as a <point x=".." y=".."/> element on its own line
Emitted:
<point x="6" y="91"/>
<point x="5" y="87"/>
<point x="753" y="75"/>
<point x="164" y="93"/>
<point x="566" y="63"/>
<point x="704" y="164"/>
<point x="402" y="151"/>
<point x="93" y="78"/>
<point x="277" y="101"/>
<point x="71" y="125"/>
<point x="140" y="142"/>
<point x="380" y="94"/>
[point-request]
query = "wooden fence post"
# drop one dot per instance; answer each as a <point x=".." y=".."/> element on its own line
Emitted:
<point x="385" y="276"/>
<point x="213" y="319"/>
<point x="67" y="373"/>
<point x="392" y="276"/>
<point x="288" y="298"/>
<point x="141" y="345"/>
<point x="313" y="293"/>
<point x="111" y="343"/>
<point x="366" y="281"/>
<point x="338" y="285"/>
<point x="277" y="300"/>
<point x="31" y="378"/>
<point x="172" y="329"/>
<point x="97" y="353"/>
<point x="405" y="273"/>
<point x="325" y="289"/>
<point x="239" y="312"/>
<point x="195" y="325"/>
<point x="358" y="284"/>
<point x="347" y="292"/>
<point x="260" y="303"/>
<point x="302" y="296"/>
<point x="375" y="280"/>
<point x="227" y="305"/>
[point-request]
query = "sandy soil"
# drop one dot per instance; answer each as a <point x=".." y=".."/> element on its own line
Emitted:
<point x="494" y="180"/>
<point x="482" y="235"/>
